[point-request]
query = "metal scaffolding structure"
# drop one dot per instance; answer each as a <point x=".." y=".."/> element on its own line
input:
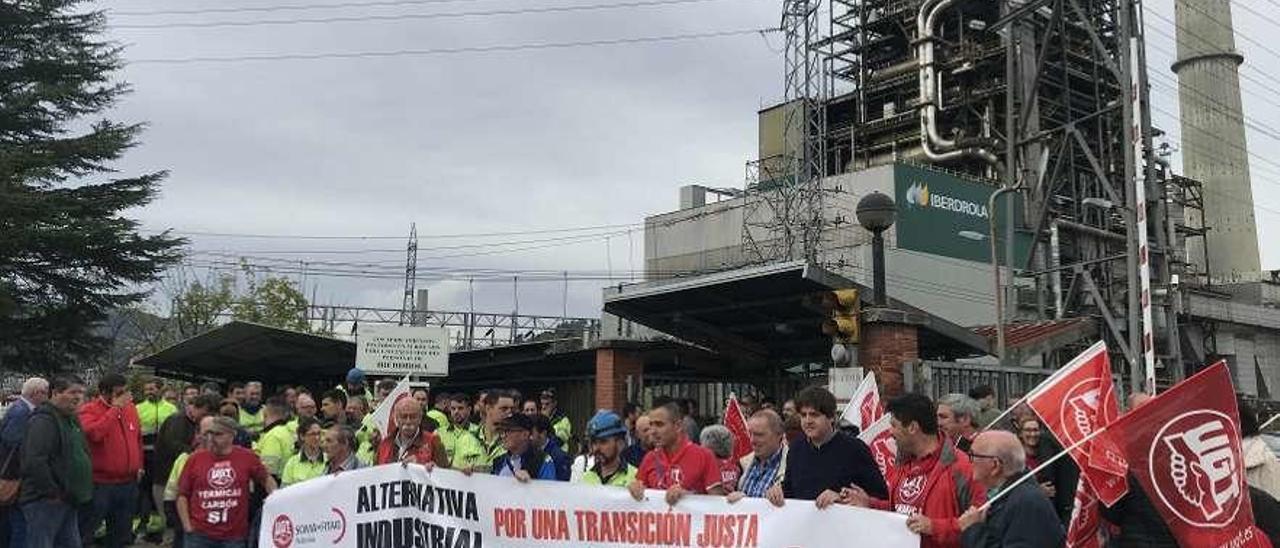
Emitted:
<point x="1049" y="100"/>
<point x="784" y="217"/>
<point x="470" y="330"/>
<point x="410" y="277"/>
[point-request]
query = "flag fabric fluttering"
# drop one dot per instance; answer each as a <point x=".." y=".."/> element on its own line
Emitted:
<point x="1073" y="403"/>
<point x="737" y="425"/>
<point x="1184" y="448"/>
<point x="1085" y="528"/>
<point x="383" y="416"/>
<point x="879" y="439"/>
<point x="864" y="408"/>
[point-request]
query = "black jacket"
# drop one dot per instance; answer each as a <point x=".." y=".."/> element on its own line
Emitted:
<point x="1023" y="518"/>
<point x="174" y="438"/>
<point x="1141" y="525"/>
<point x="1266" y="513"/>
<point x="1063" y="474"/>
<point x="47" y="458"/>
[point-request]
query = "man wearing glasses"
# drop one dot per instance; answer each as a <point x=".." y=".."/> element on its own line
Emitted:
<point x="213" y="492"/>
<point x="1023" y="516"/>
<point x="932" y="481"/>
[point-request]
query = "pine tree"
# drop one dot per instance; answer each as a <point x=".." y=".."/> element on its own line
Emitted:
<point x="67" y="253"/>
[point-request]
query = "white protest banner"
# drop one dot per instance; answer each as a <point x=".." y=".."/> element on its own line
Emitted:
<point x="394" y="506"/>
<point x="383" y="415"/>
<point x="403" y="350"/>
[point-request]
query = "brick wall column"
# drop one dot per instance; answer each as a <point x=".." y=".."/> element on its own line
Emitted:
<point x="614" y="365"/>
<point x="882" y="349"/>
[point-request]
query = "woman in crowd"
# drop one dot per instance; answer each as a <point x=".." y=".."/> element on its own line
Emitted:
<point x="309" y="461"/>
<point x="719" y="440"/>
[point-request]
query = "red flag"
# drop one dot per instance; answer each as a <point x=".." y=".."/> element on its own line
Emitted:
<point x="1184" y="448"/>
<point x="1085" y="529"/>
<point x="879" y="438"/>
<point x="864" y="408"/>
<point x="737" y="425"/>
<point x="1073" y="403"/>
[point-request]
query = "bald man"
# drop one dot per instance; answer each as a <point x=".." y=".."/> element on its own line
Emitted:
<point x="408" y="442"/>
<point x="1023" y="515"/>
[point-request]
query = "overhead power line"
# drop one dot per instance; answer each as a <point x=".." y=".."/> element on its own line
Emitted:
<point x="284" y="7"/>
<point x="401" y="237"/>
<point x="1189" y="32"/>
<point x="411" y="16"/>
<point x="452" y="51"/>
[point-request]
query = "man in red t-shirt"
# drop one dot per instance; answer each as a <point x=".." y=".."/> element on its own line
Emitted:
<point x="213" y="491"/>
<point x="675" y="463"/>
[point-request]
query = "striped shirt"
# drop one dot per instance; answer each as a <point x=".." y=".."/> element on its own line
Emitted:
<point x="761" y="475"/>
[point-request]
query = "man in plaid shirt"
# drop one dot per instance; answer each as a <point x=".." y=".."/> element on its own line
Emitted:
<point x="766" y="465"/>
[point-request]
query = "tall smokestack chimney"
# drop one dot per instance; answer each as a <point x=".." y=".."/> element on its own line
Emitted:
<point x="1213" y="143"/>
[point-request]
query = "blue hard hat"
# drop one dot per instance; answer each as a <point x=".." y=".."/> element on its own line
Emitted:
<point x="605" y="424"/>
<point x="355" y="375"/>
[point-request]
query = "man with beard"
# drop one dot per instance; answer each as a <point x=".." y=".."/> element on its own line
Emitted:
<point x="408" y="442"/>
<point x="608" y="434"/>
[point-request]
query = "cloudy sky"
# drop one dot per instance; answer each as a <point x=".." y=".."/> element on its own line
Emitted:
<point x="553" y="153"/>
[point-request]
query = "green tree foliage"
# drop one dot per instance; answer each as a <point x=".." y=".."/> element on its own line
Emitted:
<point x="272" y="301"/>
<point x="197" y="308"/>
<point x="67" y="253"/>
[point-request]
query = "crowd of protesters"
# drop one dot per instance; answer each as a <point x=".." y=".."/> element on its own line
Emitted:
<point x="194" y="463"/>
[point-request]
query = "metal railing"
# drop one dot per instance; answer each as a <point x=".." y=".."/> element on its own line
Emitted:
<point x="939" y="378"/>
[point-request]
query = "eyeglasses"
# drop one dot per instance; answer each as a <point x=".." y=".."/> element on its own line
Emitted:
<point x="211" y="434"/>
<point x="974" y="456"/>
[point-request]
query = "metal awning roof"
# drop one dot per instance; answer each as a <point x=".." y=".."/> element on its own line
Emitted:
<point x="248" y="351"/>
<point x="243" y="350"/>
<point x="763" y="314"/>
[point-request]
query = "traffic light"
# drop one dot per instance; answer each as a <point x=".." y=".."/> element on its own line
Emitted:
<point x="844" y="308"/>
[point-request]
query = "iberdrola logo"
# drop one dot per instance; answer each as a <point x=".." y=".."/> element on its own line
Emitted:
<point x="918" y="195"/>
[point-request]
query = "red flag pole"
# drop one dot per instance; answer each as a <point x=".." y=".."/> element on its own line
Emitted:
<point x="1055" y="376"/>
<point x="1009" y="409"/>
<point x="1051" y="460"/>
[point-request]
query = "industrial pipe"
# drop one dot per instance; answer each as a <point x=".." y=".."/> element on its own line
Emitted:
<point x="932" y="142"/>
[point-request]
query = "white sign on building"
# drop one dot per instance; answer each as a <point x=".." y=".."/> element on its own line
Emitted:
<point x="843" y="382"/>
<point x="403" y="350"/>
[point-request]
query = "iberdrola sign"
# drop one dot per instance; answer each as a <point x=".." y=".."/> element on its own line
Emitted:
<point x="942" y="214"/>
<point x="918" y="195"/>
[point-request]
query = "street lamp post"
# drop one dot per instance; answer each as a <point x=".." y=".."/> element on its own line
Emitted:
<point x="995" y="272"/>
<point x="876" y="213"/>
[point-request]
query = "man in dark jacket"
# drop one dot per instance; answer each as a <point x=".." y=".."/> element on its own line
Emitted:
<point x="178" y="433"/>
<point x="57" y="476"/>
<point x="1140" y="523"/>
<point x="522" y="460"/>
<point x="1023" y="515"/>
<point x="35" y="391"/>
<point x="826" y="460"/>
<point x="1266" y="514"/>
<point x="544" y="438"/>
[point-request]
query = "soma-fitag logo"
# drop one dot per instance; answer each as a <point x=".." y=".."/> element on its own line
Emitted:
<point x="918" y="195"/>
<point x="1204" y="481"/>
<point x="285" y="534"/>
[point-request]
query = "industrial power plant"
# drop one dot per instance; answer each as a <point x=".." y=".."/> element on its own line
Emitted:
<point x="1035" y="208"/>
